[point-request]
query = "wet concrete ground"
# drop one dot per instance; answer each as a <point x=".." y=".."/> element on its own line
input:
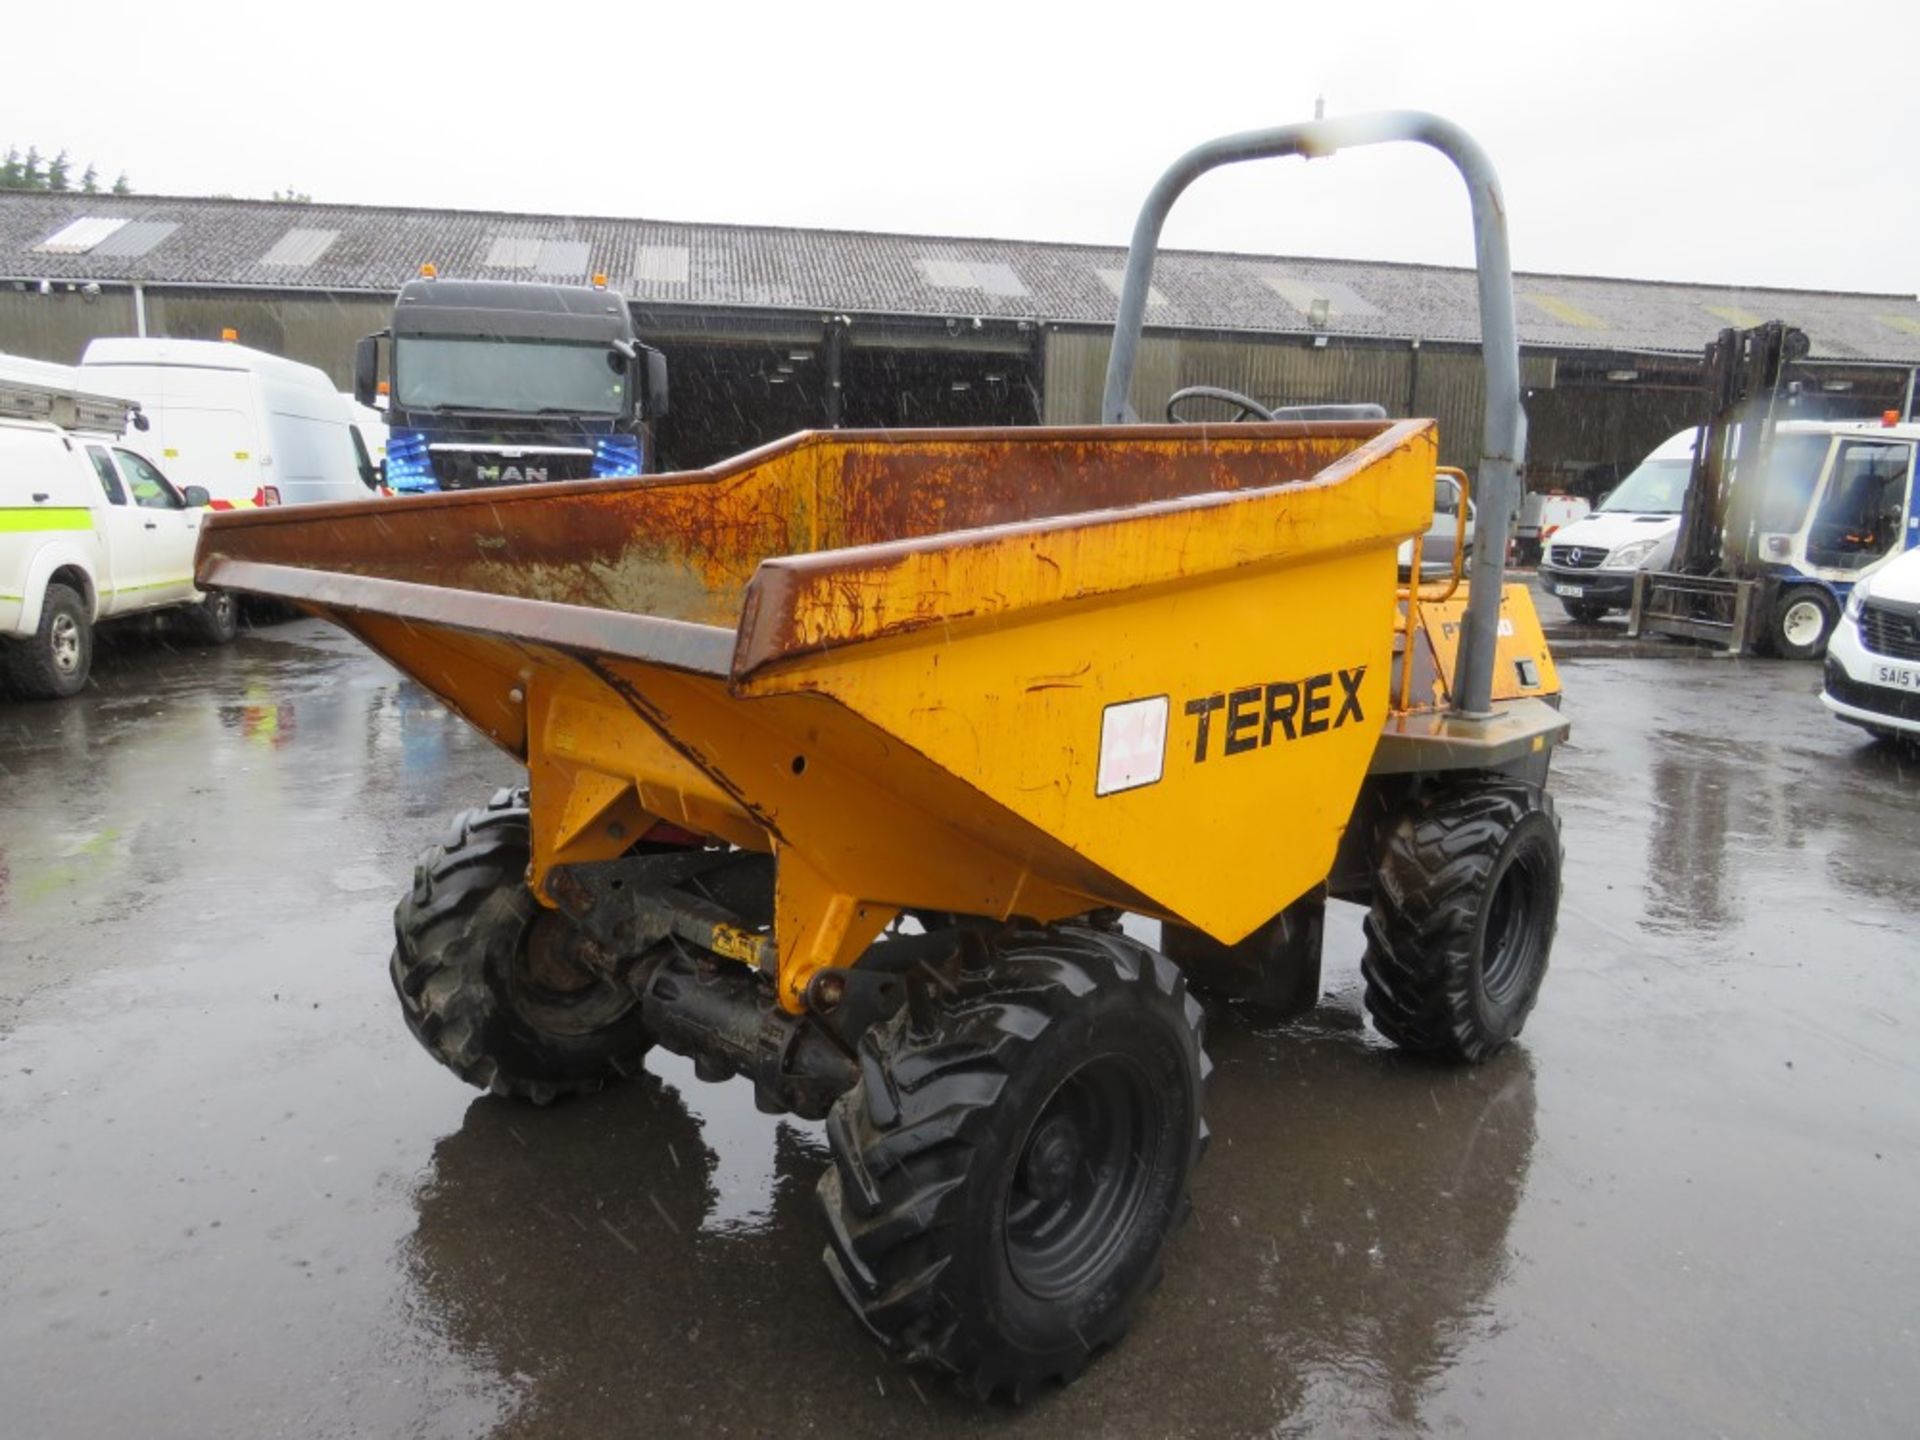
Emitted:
<point x="236" y="1200"/>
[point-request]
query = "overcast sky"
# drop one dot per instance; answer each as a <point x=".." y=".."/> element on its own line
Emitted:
<point x="1756" y="143"/>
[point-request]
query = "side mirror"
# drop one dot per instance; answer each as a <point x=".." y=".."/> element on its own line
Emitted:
<point x="196" y="497"/>
<point x="366" y="369"/>
<point x="656" y="391"/>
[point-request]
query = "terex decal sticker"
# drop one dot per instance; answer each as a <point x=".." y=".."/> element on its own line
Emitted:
<point x="1133" y="745"/>
<point x="1232" y="722"/>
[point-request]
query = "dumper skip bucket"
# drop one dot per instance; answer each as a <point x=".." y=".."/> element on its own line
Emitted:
<point x="1003" y="673"/>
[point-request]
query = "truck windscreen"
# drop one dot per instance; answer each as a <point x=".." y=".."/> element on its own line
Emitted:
<point x="522" y="377"/>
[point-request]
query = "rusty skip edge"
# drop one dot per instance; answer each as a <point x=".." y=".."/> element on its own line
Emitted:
<point x="767" y="634"/>
<point x="223" y="521"/>
<point x="784" y="586"/>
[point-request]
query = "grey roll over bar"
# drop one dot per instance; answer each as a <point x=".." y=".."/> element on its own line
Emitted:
<point x="1503" y="440"/>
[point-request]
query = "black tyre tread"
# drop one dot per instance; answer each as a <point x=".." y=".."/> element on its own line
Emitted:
<point x="1434" y="869"/>
<point x="903" y="1142"/>
<point x="25" y="667"/>
<point x="204" y="626"/>
<point x="437" y="966"/>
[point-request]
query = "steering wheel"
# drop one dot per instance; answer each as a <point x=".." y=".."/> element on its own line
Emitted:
<point x="1247" y="407"/>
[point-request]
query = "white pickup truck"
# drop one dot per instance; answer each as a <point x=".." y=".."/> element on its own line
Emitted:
<point x="90" y="530"/>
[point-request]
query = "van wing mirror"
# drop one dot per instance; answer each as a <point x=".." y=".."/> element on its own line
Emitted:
<point x="196" y="497"/>
<point x="656" y="392"/>
<point x="366" y="369"/>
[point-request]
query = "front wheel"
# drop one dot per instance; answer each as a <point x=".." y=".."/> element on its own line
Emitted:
<point x="1009" y="1166"/>
<point x="1801" y="622"/>
<point x="1464" y="911"/>
<point x="495" y="986"/>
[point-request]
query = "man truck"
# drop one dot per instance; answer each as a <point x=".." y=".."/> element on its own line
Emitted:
<point x="508" y="383"/>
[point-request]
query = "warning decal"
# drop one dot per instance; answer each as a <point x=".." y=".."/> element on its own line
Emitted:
<point x="1133" y="745"/>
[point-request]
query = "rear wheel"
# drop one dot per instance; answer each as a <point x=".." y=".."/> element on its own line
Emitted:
<point x="215" y="620"/>
<point x="1276" y="968"/>
<point x="1463" y="917"/>
<point x="1586" y="612"/>
<point x="1801" y="622"/>
<point x="495" y="986"/>
<point x="54" y="661"/>
<point x="1009" y="1166"/>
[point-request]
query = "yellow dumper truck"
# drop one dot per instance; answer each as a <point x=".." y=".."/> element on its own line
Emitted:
<point x="845" y="757"/>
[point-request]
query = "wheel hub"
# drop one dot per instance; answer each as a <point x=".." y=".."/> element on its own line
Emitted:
<point x="1081" y="1178"/>
<point x="66" y="644"/>
<point x="1054" y="1153"/>
<point x="1802" y="623"/>
<point x="550" y="961"/>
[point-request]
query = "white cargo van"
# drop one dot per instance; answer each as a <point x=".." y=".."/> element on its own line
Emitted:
<point x="1591" y="562"/>
<point x="252" y="428"/>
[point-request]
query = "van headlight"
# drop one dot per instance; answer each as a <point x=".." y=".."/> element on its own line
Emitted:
<point x="1856" y="600"/>
<point x="1631" y="557"/>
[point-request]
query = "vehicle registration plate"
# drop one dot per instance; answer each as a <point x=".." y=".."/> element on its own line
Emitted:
<point x="1906" y="677"/>
<point x="1570" y="592"/>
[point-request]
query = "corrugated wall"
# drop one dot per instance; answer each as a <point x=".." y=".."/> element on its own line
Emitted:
<point x="57" y="327"/>
<point x="1285" y="371"/>
<point x="317" y="329"/>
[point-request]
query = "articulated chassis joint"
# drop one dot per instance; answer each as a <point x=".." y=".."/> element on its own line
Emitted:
<point x="686" y="933"/>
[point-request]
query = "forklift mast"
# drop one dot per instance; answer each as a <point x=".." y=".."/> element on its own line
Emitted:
<point x="1742" y="380"/>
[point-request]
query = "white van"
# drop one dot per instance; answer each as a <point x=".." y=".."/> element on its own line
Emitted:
<point x="252" y="428"/>
<point x="1590" y="564"/>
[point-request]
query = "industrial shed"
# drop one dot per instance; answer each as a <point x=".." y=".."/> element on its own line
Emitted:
<point x="771" y="330"/>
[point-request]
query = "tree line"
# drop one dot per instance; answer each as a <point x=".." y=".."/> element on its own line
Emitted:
<point x="34" y="171"/>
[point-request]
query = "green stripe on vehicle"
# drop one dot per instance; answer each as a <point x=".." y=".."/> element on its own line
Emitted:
<point x="16" y="519"/>
<point x="156" y="585"/>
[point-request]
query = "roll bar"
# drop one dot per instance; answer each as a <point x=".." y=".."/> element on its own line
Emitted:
<point x="1504" y="436"/>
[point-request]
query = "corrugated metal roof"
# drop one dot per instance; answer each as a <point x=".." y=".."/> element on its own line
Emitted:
<point x="77" y="237"/>
<point x="562" y="258"/>
<point x="659" y="265"/>
<point x="512" y="252"/>
<point x="136" y="237"/>
<point x="300" y="247"/>
<point x="228" y="242"/>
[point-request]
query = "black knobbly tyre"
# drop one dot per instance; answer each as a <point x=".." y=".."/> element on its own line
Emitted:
<point x="1463" y="917"/>
<point x="1007" y="1170"/>
<point x="491" y="983"/>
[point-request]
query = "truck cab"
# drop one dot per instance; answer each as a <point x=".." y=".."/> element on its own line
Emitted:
<point x="507" y="383"/>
